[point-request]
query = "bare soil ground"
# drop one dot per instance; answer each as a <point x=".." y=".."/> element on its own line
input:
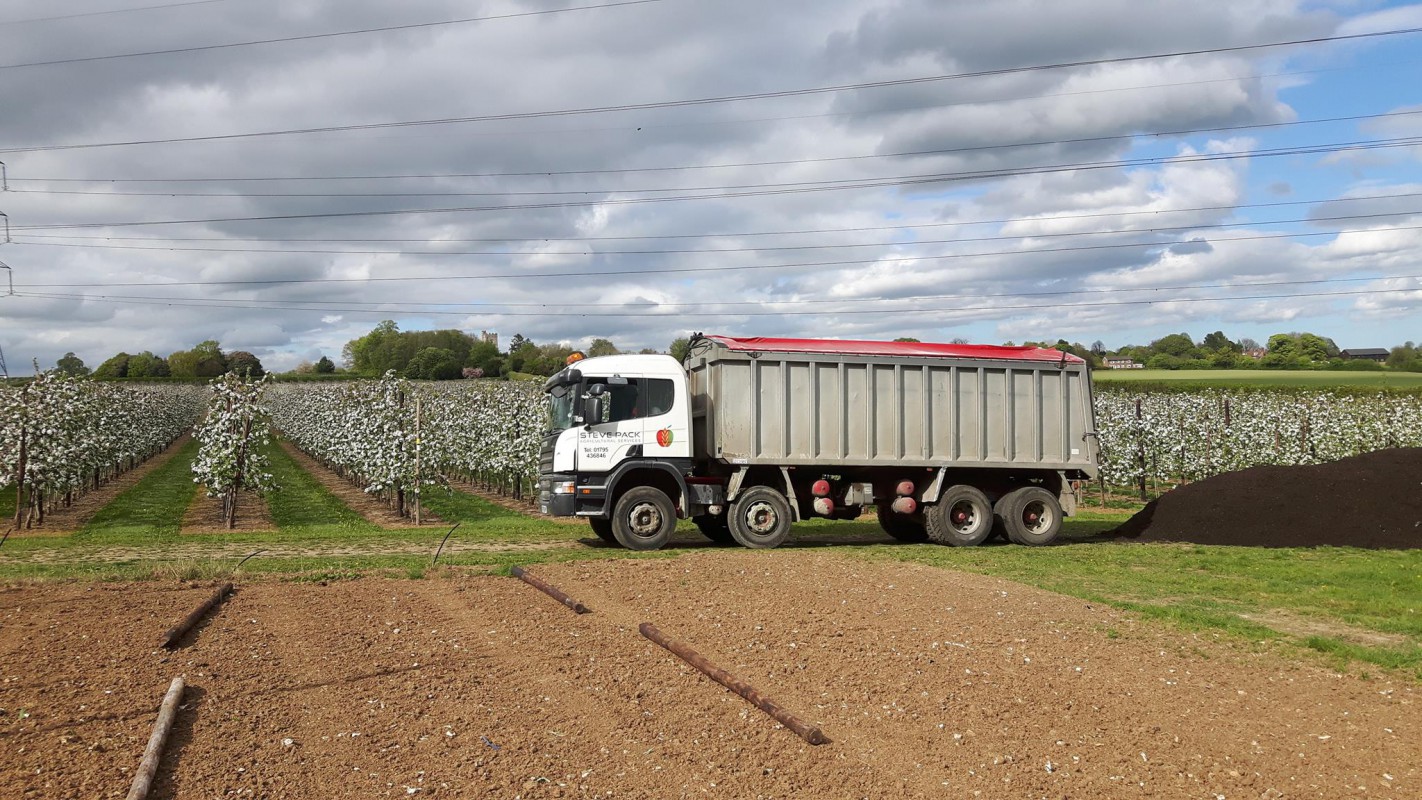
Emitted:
<point x="374" y="509"/>
<point x="204" y="514"/>
<point x="83" y="508"/>
<point x="930" y="684"/>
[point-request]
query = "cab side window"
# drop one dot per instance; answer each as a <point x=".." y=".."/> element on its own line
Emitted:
<point x="661" y="393"/>
<point x="635" y="399"/>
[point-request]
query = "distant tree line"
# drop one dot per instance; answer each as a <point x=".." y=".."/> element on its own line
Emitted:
<point x="207" y="360"/>
<point x="453" y="354"/>
<point x="450" y="354"/>
<point x="1296" y="350"/>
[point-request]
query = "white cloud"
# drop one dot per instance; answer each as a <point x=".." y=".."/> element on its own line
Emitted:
<point x="1130" y="220"/>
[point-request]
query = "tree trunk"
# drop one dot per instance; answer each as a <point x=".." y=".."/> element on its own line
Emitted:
<point x="20" y="481"/>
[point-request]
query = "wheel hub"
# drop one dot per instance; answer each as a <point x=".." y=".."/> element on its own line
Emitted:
<point x="1035" y="517"/>
<point x="645" y="519"/>
<point x="963" y="516"/>
<point x="761" y="518"/>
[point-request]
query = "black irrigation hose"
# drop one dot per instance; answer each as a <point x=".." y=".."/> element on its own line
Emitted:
<point x="248" y="558"/>
<point x="441" y="544"/>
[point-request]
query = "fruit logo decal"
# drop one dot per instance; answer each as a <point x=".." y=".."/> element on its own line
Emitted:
<point x="664" y="437"/>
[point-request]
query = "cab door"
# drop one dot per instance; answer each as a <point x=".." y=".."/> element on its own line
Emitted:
<point x="666" y="430"/>
<point x="606" y="442"/>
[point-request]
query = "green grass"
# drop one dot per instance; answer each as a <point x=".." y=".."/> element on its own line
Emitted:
<point x="302" y="507"/>
<point x="150" y="510"/>
<point x="7" y="505"/>
<point x="480" y="520"/>
<point x="1262" y="377"/>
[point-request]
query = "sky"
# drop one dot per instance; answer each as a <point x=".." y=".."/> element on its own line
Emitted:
<point x="281" y="175"/>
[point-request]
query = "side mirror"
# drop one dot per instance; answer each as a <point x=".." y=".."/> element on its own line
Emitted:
<point x="592" y="408"/>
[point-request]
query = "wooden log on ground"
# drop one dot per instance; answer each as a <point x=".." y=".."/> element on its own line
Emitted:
<point x="148" y="767"/>
<point x="806" y="731"/>
<point x="552" y="591"/>
<point x="173" y="634"/>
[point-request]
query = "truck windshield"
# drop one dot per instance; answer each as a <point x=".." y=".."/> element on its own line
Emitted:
<point x="560" y="407"/>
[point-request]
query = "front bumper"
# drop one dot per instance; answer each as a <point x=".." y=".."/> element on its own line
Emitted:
<point x="556" y="505"/>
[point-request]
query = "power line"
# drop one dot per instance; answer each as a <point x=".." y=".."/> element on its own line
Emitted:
<point x="771" y="189"/>
<point x="870" y="182"/>
<point x="878" y="111"/>
<point x="682" y="270"/>
<point x="713" y="314"/>
<point x="109" y="12"/>
<point x="778" y="94"/>
<point x="744" y="234"/>
<point x="312" y="36"/>
<point x="550" y="307"/>
<point x="774" y="248"/>
<point x="673" y="168"/>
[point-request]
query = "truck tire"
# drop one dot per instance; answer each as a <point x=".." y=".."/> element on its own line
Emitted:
<point x="760" y="518"/>
<point x="962" y="517"/>
<point x="603" y="529"/>
<point x="1031" y="516"/>
<point x="999" y="528"/>
<point x="644" y="519"/>
<point x="903" y="528"/>
<point x="716" y="528"/>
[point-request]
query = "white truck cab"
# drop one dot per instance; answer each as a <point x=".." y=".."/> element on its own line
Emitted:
<point x="616" y="418"/>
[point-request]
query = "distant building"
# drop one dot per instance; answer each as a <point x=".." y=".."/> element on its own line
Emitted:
<point x="1123" y="363"/>
<point x="1256" y="353"/>
<point x="491" y="338"/>
<point x="1377" y="354"/>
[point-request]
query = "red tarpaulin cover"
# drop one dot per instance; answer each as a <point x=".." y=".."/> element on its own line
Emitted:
<point x="922" y="349"/>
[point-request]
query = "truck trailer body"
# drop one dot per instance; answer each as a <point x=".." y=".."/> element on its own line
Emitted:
<point x="948" y="443"/>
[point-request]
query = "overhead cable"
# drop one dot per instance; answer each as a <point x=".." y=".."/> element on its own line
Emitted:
<point x="772" y="189"/>
<point x="712" y="100"/>
<point x="593" y="273"/>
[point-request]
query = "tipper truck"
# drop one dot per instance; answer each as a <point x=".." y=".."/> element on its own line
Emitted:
<point x="946" y="443"/>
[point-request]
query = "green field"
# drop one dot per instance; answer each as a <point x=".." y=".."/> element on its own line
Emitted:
<point x="1262" y="377"/>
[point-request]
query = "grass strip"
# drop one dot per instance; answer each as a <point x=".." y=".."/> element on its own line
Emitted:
<point x="317" y="568"/>
<point x="481" y="520"/>
<point x="302" y="507"/>
<point x="7" y="506"/>
<point x="150" y="510"/>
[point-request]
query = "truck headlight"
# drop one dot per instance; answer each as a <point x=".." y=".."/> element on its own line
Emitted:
<point x="564" y="487"/>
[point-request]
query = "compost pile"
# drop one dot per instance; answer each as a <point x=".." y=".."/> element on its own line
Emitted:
<point x="1372" y="500"/>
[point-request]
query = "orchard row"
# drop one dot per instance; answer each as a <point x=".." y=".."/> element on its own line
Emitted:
<point x="62" y="436"/>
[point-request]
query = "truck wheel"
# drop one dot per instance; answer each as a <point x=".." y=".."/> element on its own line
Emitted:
<point x="760" y="518"/>
<point x="714" y="528"/>
<point x="999" y="528"/>
<point x="1032" y="516"/>
<point x="962" y="517"/>
<point x="644" y="519"/>
<point x="903" y="528"/>
<point x="603" y="529"/>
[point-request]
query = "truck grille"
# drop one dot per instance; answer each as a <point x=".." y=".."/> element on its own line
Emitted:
<point x="545" y="454"/>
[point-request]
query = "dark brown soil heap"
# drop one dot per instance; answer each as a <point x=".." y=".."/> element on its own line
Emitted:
<point x="1372" y="500"/>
